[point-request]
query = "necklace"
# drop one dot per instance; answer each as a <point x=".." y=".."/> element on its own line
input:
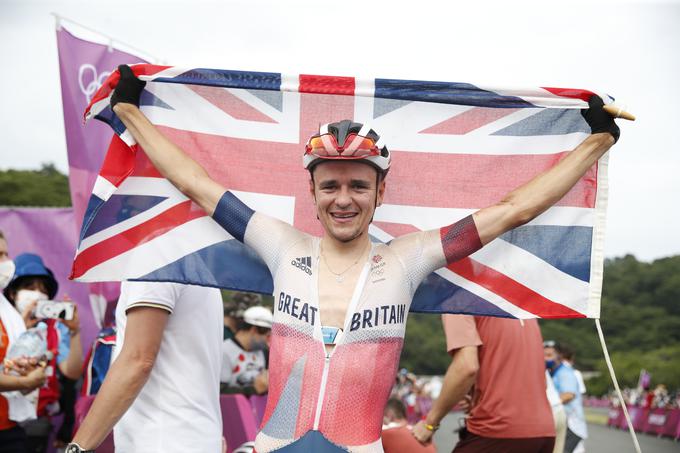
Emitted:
<point x="340" y="276"/>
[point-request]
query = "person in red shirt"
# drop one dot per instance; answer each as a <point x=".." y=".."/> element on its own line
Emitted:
<point x="503" y="359"/>
<point x="396" y="434"/>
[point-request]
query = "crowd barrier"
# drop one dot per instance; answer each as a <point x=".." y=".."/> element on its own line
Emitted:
<point x="660" y="422"/>
<point x="240" y="419"/>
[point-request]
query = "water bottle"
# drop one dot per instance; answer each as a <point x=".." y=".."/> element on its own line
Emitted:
<point x="31" y="344"/>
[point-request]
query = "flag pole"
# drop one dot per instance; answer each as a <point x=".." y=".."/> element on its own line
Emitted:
<point x="59" y="18"/>
<point x="616" y="385"/>
<point x="618" y="112"/>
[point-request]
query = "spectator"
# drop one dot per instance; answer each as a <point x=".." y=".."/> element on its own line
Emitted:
<point x="559" y="416"/>
<point x="12" y="436"/>
<point x="67" y="401"/>
<point x="502" y="359"/>
<point x="244" y="367"/>
<point x="567" y="386"/>
<point x="569" y="358"/>
<point x="396" y="433"/>
<point x="33" y="282"/>
<point x="661" y="398"/>
<point x="234" y="308"/>
<point x="162" y="389"/>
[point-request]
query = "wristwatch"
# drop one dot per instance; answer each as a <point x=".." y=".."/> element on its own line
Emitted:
<point x="75" y="448"/>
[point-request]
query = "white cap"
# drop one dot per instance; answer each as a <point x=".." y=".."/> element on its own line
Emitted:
<point x="259" y="316"/>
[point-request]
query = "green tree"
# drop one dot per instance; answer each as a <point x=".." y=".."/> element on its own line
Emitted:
<point x="639" y="316"/>
<point x="425" y="345"/>
<point x="640" y="320"/>
<point x="44" y="187"/>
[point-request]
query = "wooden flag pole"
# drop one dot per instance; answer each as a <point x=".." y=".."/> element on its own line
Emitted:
<point x="608" y="361"/>
<point x="618" y="112"/>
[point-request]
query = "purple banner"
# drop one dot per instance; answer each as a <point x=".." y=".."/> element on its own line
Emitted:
<point x="83" y="66"/>
<point x="51" y="233"/>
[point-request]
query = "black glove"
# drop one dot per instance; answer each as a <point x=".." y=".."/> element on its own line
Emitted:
<point x="129" y="87"/>
<point x="598" y="119"/>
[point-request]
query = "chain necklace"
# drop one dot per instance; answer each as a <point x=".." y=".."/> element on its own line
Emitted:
<point x="340" y="276"/>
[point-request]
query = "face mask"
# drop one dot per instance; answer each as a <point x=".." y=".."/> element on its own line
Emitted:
<point x="258" y="345"/>
<point x="549" y="364"/>
<point x="24" y="298"/>
<point x="6" y="273"/>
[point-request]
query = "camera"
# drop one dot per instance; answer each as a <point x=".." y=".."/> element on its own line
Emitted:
<point x="54" y="310"/>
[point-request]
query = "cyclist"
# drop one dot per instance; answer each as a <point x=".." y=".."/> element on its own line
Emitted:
<point x="341" y="302"/>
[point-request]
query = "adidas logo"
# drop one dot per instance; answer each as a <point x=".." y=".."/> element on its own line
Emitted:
<point x="304" y="263"/>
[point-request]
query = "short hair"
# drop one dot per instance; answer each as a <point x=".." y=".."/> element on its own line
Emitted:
<point x="397" y="407"/>
<point x="25" y="282"/>
<point x="239" y="302"/>
<point x="565" y="351"/>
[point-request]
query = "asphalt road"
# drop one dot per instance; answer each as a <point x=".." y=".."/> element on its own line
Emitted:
<point x="601" y="439"/>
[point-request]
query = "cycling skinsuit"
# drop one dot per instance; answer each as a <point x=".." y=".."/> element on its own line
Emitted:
<point x="334" y="402"/>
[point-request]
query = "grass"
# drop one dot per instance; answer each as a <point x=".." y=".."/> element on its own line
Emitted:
<point x="597" y="416"/>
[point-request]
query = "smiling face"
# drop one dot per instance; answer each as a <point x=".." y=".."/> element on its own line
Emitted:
<point x="345" y="197"/>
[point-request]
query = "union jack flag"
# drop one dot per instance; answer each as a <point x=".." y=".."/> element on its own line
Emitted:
<point x="456" y="148"/>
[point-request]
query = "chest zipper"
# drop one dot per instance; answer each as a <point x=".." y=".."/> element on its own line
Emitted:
<point x="322" y="390"/>
<point x="327" y="356"/>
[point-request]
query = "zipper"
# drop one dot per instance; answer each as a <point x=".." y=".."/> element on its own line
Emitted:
<point x="358" y="289"/>
<point x="322" y="391"/>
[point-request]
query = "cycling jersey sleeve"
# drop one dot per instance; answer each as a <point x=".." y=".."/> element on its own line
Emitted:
<point x="268" y="236"/>
<point x="424" y="252"/>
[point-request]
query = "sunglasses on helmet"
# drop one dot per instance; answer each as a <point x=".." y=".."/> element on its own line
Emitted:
<point x="355" y="146"/>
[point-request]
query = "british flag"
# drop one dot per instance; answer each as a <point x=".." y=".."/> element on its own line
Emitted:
<point x="456" y="148"/>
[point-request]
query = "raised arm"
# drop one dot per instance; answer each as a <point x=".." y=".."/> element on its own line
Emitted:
<point x="533" y="198"/>
<point x="169" y="159"/>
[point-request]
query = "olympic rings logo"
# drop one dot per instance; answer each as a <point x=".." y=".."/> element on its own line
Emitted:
<point x="89" y="81"/>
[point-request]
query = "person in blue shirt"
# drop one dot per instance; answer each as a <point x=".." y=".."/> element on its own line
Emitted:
<point x="567" y="385"/>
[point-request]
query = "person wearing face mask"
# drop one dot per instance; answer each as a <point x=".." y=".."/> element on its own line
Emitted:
<point x="244" y="366"/>
<point x="33" y="282"/>
<point x="567" y="385"/>
<point x="14" y="407"/>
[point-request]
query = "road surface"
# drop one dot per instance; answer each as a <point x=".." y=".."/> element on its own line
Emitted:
<point x="601" y="439"/>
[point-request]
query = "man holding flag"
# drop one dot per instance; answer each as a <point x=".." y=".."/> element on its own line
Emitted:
<point x="341" y="301"/>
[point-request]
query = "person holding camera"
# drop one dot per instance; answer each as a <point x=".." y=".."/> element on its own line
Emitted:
<point x="33" y="283"/>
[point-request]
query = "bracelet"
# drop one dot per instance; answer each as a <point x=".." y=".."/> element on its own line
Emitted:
<point x="74" y="332"/>
<point x="431" y="428"/>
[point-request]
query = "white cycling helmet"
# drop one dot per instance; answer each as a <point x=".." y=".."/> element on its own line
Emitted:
<point x="346" y="140"/>
<point x="259" y="316"/>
